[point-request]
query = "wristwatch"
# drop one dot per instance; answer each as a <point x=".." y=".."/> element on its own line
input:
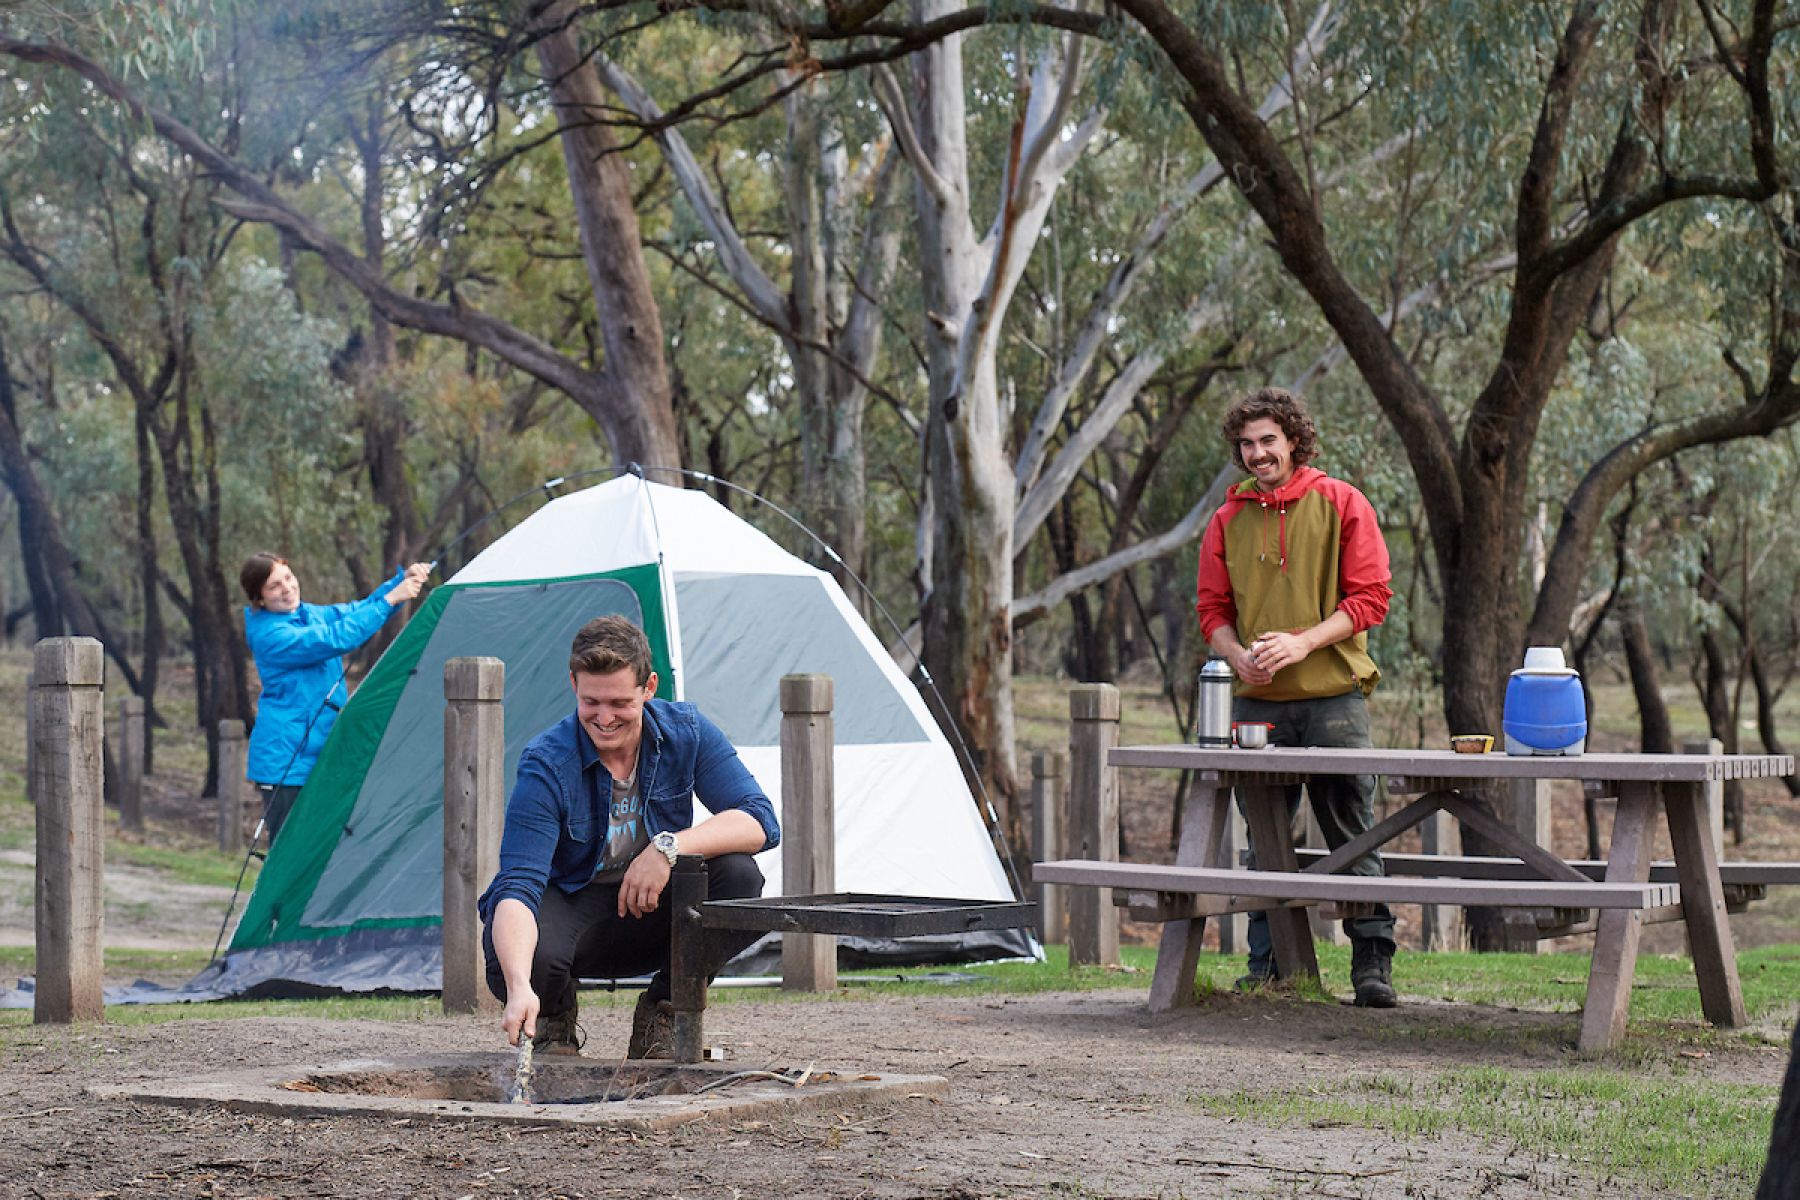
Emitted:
<point x="665" y="842"/>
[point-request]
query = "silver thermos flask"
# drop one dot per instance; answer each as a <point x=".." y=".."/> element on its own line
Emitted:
<point x="1212" y="722"/>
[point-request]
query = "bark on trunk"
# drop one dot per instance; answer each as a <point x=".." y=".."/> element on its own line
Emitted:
<point x="155" y="637"/>
<point x="1656" y="736"/>
<point x="636" y="381"/>
<point x="59" y="604"/>
<point x="967" y="613"/>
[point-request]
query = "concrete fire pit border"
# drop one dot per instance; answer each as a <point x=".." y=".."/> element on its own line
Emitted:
<point x="261" y="1090"/>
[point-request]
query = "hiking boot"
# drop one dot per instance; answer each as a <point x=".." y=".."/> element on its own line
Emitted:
<point x="652" y="1029"/>
<point x="1372" y="974"/>
<point x="1259" y="975"/>
<point x="559" y="1034"/>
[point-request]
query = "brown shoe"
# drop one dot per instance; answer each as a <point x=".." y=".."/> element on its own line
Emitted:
<point x="559" y="1034"/>
<point x="652" y="1029"/>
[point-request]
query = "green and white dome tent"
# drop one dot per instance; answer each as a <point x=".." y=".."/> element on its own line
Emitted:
<point x="350" y="898"/>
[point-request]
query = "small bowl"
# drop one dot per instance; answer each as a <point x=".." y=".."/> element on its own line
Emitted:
<point x="1472" y="743"/>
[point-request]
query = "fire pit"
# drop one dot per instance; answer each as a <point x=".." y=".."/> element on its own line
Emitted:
<point x="639" y="1095"/>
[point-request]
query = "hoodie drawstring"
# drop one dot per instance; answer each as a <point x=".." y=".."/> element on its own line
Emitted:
<point x="1280" y="534"/>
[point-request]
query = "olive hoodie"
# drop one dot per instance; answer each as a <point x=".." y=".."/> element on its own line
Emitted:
<point x="1283" y="561"/>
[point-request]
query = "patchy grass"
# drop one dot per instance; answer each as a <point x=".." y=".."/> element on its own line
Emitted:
<point x="15" y="1022"/>
<point x="117" y="964"/>
<point x="205" y="868"/>
<point x="1679" y="1134"/>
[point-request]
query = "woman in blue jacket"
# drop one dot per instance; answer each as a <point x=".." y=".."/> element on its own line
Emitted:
<point x="299" y="650"/>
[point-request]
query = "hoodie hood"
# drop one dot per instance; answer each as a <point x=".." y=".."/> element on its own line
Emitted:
<point x="1299" y="483"/>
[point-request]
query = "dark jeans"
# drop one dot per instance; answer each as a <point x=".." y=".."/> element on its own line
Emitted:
<point x="1343" y="804"/>
<point x="583" y="936"/>
<point x="277" y="801"/>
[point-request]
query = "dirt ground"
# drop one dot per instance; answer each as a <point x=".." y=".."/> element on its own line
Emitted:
<point x="1050" y="1095"/>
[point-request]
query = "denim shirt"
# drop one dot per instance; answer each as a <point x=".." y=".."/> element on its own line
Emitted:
<point x="557" y="815"/>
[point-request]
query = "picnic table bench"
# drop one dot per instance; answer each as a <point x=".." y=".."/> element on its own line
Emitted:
<point x="1624" y="890"/>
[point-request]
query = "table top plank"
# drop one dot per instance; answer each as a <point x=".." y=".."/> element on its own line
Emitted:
<point x="1448" y="765"/>
<point x="1285" y="885"/>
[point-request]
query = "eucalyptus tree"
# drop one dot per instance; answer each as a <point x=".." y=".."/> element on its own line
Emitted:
<point x="123" y="239"/>
<point x="837" y="178"/>
<point x="491" y="59"/>
<point x="991" y="480"/>
<point x="1609" y="98"/>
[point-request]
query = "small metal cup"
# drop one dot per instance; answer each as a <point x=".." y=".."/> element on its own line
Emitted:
<point x="1251" y="735"/>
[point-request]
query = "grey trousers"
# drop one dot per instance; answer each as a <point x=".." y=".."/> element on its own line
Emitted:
<point x="1344" y="805"/>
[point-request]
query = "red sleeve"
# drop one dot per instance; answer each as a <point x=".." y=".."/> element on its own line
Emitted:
<point x="1215" y="603"/>
<point x="1363" y="572"/>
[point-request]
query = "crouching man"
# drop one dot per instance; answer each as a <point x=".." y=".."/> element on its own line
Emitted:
<point x="596" y="819"/>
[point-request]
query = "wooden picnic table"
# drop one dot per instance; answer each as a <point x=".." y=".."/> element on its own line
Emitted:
<point x="1201" y="883"/>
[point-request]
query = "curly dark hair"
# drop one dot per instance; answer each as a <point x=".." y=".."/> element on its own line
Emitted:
<point x="1285" y="409"/>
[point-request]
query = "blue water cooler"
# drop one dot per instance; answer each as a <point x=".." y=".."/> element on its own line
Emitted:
<point x="1545" y="712"/>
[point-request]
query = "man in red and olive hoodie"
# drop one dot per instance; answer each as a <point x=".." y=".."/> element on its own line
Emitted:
<point x="1293" y="573"/>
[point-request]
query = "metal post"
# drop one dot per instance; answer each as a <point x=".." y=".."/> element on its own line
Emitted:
<point x="67" y="786"/>
<point x="1049" y="798"/>
<point x="808" y="824"/>
<point x="131" y="764"/>
<point x="233" y="756"/>
<point x="687" y="956"/>
<point x="474" y="758"/>
<point x="1094" y="819"/>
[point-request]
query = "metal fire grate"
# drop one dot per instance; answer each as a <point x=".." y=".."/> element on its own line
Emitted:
<point x="857" y="914"/>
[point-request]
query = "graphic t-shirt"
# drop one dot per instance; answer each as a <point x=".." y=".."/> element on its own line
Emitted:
<point x="626" y="833"/>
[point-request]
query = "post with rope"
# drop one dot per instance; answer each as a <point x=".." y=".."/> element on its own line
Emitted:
<point x="474" y="755"/>
<point x="67" y="787"/>
<point x="233" y="759"/>
<point x="131" y="764"/>
<point x="809" y="827"/>
<point x="1094" y="826"/>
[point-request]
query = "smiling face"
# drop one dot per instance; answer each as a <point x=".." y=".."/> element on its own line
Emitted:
<point x="1266" y="453"/>
<point x="281" y="593"/>
<point x="611" y="707"/>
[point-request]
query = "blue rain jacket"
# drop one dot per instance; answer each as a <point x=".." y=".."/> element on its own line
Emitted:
<point x="299" y="656"/>
<point x="557" y="815"/>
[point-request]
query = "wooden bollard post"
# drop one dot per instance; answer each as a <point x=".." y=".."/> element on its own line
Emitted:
<point x="1715" y="792"/>
<point x="808" y="824"/>
<point x="131" y="764"/>
<point x="1324" y="928"/>
<point x="1094" y="820"/>
<point x="1528" y="812"/>
<point x="1234" y="928"/>
<point x="68" y="786"/>
<point x="474" y="755"/>
<point x="1441" y="925"/>
<point x="233" y="757"/>
<point x="1049" y="799"/>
